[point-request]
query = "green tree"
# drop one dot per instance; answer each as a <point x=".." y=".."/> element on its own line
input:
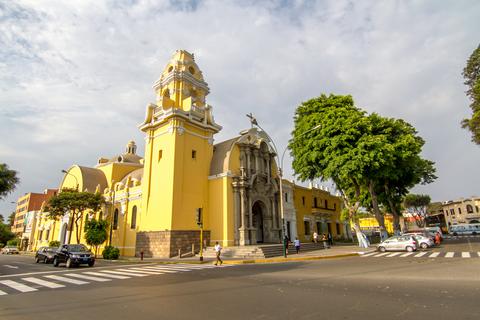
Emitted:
<point x="11" y="219"/>
<point x="73" y="203"/>
<point x="5" y="233"/>
<point x="471" y="73"/>
<point x="417" y="205"/>
<point x="2" y="219"/>
<point x="8" y="180"/>
<point x="331" y="152"/>
<point x="96" y="233"/>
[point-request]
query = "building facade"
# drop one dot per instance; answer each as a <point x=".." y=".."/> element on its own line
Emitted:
<point x="153" y="202"/>
<point x="464" y="210"/>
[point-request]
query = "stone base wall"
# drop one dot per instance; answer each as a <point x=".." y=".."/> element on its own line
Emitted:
<point x="166" y="244"/>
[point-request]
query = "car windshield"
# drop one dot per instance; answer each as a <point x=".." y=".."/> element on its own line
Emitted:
<point x="78" y="248"/>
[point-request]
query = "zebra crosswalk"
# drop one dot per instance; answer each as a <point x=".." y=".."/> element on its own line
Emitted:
<point x="18" y="284"/>
<point x="423" y="254"/>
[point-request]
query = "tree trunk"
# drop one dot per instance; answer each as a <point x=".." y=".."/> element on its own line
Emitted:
<point x="352" y="210"/>
<point x="376" y="210"/>
<point x="71" y="228"/>
<point x="77" y="231"/>
<point x="393" y="208"/>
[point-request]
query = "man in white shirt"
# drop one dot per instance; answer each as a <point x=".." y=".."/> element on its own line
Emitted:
<point x="218" y="251"/>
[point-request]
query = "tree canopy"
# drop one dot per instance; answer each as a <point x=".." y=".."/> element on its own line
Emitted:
<point x="73" y="203"/>
<point x="8" y="180"/>
<point x="96" y="232"/>
<point x="417" y="205"/>
<point x="372" y="160"/>
<point x="471" y="73"/>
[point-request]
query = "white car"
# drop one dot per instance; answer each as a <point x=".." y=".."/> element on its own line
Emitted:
<point x="399" y="243"/>
<point x="10" y="250"/>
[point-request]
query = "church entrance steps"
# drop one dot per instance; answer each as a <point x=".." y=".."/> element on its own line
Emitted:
<point x="259" y="251"/>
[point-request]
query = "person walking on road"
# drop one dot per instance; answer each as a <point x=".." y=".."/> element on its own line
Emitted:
<point x="315" y="237"/>
<point x="325" y="241"/>
<point x="330" y="239"/>
<point x="218" y="251"/>
<point x="297" y="245"/>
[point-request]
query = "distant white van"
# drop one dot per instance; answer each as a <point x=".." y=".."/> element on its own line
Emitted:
<point x="465" y="228"/>
<point x="434" y="230"/>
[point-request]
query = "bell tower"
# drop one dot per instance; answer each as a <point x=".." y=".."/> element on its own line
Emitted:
<point x="179" y="131"/>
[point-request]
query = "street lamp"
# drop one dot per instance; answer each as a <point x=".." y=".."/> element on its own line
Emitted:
<point x="76" y="180"/>
<point x="280" y="174"/>
<point x="112" y="212"/>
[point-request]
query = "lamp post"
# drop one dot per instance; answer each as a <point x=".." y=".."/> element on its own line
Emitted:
<point x="76" y="180"/>
<point x="280" y="174"/>
<point x="112" y="212"/>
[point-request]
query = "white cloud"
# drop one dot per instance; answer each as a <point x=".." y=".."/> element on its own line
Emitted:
<point x="75" y="76"/>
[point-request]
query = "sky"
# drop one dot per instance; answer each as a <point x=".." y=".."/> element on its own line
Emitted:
<point x="76" y="76"/>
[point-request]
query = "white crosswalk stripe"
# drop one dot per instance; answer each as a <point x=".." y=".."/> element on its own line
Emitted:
<point x="149" y="271"/>
<point x="434" y="255"/>
<point x="113" y="276"/>
<point x="126" y="273"/>
<point x="2" y="293"/>
<point x="421" y="254"/>
<point x="393" y="254"/>
<point x="163" y="269"/>
<point x="67" y="280"/>
<point x="146" y="272"/>
<point x="43" y="283"/>
<point x="176" y="269"/>
<point x="17" y="286"/>
<point x="449" y="254"/>
<point x="381" y="254"/>
<point x="81" y="276"/>
<point x="465" y="254"/>
<point x="406" y="254"/>
<point x="369" y="254"/>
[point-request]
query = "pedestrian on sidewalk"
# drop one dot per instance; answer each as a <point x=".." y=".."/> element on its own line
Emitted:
<point x="286" y="242"/>
<point x="315" y="237"/>
<point x="297" y="245"/>
<point x="330" y="239"/>
<point x="218" y="251"/>
<point x="325" y="241"/>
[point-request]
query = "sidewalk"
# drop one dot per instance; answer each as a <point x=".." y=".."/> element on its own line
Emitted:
<point x="339" y="251"/>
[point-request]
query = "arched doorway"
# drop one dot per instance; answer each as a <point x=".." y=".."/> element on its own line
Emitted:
<point x="63" y="234"/>
<point x="257" y="221"/>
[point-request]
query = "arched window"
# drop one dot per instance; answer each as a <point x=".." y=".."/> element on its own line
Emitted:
<point x="469" y="209"/>
<point x="115" y="219"/>
<point x="133" y="224"/>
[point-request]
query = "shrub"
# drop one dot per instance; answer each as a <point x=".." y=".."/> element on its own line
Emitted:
<point x="54" y="243"/>
<point x="111" y="253"/>
<point x="13" y="242"/>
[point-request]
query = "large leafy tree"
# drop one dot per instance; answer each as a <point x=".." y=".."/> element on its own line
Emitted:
<point x="8" y="180"/>
<point x="5" y="233"/>
<point x="75" y="204"/>
<point x="471" y="73"/>
<point x="417" y="205"/>
<point x="96" y="233"/>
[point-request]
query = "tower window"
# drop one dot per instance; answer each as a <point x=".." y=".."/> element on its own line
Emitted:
<point x="133" y="224"/>
<point x="303" y="201"/>
<point x="194" y="154"/>
<point x="160" y="154"/>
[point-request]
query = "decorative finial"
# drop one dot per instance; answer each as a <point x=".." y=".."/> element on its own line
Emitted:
<point x="253" y="121"/>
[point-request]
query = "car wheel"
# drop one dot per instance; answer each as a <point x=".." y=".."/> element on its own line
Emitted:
<point x="68" y="264"/>
<point x="455" y="234"/>
<point x="423" y="245"/>
<point x="37" y="260"/>
<point x="55" y="262"/>
<point x="409" y="249"/>
<point x="382" y="249"/>
<point x="91" y="263"/>
<point x="474" y="233"/>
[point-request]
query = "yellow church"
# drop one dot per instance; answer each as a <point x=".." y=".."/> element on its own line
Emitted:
<point x="153" y="202"/>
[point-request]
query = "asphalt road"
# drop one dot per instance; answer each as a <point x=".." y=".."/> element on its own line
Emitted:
<point x="348" y="288"/>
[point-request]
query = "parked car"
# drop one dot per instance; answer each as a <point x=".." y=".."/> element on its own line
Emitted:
<point x="45" y="254"/>
<point x="73" y="255"/>
<point x="423" y="241"/>
<point x="399" y="243"/>
<point x="10" y="250"/>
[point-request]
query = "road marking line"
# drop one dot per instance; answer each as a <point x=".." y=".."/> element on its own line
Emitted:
<point x="421" y="254"/>
<point x="125" y="273"/>
<point x="64" y="279"/>
<point x="172" y="268"/>
<point x="138" y="270"/>
<point x="3" y="293"/>
<point x="381" y="254"/>
<point x="406" y="254"/>
<point x="44" y="283"/>
<point x="465" y="254"/>
<point x="434" y="255"/>
<point x="17" y="286"/>
<point x="113" y="276"/>
<point x="478" y="253"/>
<point x="81" y="276"/>
<point x="163" y="269"/>
<point x="9" y="266"/>
<point x="369" y="254"/>
<point x="449" y="254"/>
<point x="393" y="254"/>
<point x="192" y="266"/>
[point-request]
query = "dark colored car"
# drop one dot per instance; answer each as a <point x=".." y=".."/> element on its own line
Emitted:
<point x="73" y="255"/>
<point x="45" y="254"/>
